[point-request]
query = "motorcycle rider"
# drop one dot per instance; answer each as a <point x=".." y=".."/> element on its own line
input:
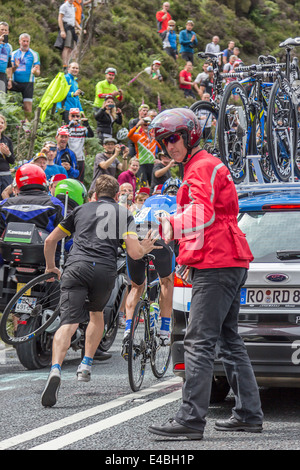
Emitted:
<point x="32" y="204"/>
<point x="90" y="271"/>
<point x="164" y="263"/>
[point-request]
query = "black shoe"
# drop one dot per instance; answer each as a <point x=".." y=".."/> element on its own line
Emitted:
<point x="233" y="424"/>
<point x="101" y="355"/>
<point x="173" y="429"/>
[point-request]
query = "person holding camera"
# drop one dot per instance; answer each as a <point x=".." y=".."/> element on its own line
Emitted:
<point x="106" y="117"/>
<point x="79" y="129"/>
<point x="72" y="99"/>
<point x="65" y="156"/>
<point x="5" y="58"/>
<point x="107" y="162"/>
<point x="145" y="146"/>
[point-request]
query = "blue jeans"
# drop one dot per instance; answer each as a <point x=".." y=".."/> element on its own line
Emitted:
<point x="213" y="330"/>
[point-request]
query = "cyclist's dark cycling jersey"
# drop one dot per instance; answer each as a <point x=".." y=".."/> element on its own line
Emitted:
<point x="33" y="206"/>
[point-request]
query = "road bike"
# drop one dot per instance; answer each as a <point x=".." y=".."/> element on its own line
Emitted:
<point x="144" y="342"/>
<point x="282" y="120"/>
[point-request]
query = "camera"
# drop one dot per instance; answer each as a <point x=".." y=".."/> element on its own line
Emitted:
<point x="5" y="38"/>
<point x="82" y="93"/>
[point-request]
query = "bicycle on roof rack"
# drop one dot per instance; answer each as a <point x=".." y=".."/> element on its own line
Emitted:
<point x="208" y="111"/>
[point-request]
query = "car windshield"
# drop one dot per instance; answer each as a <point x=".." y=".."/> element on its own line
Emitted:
<point x="269" y="232"/>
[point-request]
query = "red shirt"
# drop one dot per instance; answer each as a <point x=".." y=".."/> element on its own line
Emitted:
<point x="164" y="23"/>
<point x="206" y="220"/>
<point x="187" y="77"/>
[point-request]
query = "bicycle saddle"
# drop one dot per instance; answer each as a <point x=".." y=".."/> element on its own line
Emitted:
<point x="290" y="42"/>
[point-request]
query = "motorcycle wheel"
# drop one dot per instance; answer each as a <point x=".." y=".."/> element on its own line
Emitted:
<point x="33" y="354"/>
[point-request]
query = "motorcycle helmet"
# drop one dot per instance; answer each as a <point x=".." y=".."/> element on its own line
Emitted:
<point x="30" y="176"/>
<point x="76" y="190"/>
<point x="171" y="186"/>
<point x="177" y="121"/>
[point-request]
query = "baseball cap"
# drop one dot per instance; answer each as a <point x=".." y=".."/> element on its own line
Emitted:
<point x="39" y="155"/>
<point x="57" y="177"/>
<point x="109" y="139"/>
<point x="74" y="111"/>
<point x="62" y="131"/>
<point x="156" y="62"/>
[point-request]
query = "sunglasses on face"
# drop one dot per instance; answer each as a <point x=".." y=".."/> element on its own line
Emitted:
<point x="172" y="139"/>
<point x="75" y="115"/>
<point x="52" y="149"/>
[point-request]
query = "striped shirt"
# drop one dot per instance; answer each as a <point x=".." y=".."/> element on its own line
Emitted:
<point x="145" y="145"/>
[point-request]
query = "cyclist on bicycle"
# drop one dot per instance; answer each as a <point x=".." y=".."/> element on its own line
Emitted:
<point x="90" y="270"/>
<point x="164" y="263"/>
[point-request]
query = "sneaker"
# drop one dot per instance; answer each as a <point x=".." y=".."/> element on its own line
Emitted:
<point x="50" y="393"/>
<point x="83" y="375"/>
<point x="164" y="339"/>
<point x="125" y="347"/>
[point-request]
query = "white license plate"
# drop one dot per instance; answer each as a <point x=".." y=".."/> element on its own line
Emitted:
<point x="269" y="297"/>
<point x="25" y="304"/>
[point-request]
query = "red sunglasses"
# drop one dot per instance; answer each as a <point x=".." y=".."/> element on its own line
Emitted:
<point x="172" y="139"/>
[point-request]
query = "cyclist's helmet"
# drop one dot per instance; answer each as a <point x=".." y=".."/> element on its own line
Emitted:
<point x="76" y="190"/>
<point x="30" y="176"/>
<point x="111" y="70"/>
<point x="177" y="121"/>
<point x="171" y="186"/>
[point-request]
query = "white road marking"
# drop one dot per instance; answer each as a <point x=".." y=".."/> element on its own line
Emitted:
<point x="107" y="423"/>
<point x="47" y="428"/>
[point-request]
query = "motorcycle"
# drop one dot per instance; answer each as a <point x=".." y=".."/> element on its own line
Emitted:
<point x="22" y="250"/>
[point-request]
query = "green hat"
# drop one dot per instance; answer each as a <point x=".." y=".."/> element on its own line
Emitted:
<point x="75" y="189"/>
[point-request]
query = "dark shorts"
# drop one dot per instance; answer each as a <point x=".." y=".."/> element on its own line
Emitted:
<point x="25" y="88"/>
<point x="80" y="281"/>
<point x="145" y="172"/>
<point x="164" y="264"/>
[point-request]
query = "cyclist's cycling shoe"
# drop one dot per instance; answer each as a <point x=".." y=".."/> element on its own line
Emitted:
<point x="83" y="375"/>
<point x="125" y="347"/>
<point x="164" y="339"/>
<point x="50" y="393"/>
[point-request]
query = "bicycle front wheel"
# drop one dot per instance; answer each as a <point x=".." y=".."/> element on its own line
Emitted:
<point x="38" y="299"/>
<point x="160" y="354"/>
<point x="282" y="131"/>
<point x="233" y="130"/>
<point x="138" y="345"/>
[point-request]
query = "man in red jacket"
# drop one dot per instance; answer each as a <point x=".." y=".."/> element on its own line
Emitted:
<point x="214" y="254"/>
<point x="162" y="18"/>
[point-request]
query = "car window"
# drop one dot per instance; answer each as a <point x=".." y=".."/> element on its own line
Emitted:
<point x="268" y="232"/>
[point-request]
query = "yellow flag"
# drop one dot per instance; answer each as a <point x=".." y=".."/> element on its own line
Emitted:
<point x="56" y="92"/>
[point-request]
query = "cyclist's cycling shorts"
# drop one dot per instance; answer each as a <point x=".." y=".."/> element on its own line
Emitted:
<point x="164" y="263"/>
<point x="83" y="280"/>
<point x="25" y="88"/>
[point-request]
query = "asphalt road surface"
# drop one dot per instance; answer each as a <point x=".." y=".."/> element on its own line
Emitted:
<point x="106" y="415"/>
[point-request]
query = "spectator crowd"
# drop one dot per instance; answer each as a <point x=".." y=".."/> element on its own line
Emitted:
<point x="140" y="166"/>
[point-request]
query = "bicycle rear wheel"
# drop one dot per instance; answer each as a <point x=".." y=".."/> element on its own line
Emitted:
<point x="138" y="345"/>
<point x="282" y="131"/>
<point x="39" y="298"/>
<point x="233" y="130"/>
<point x="208" y="118"/>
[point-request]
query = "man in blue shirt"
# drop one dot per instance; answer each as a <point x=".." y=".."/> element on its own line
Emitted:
<point x="50" y="150"/>
<point x="65" y="157"/>
<point x="26" y="66"/>
<point x="169" y="39"/>
<point x="188" y="40"/>
<point x="5" y="57"/>
<point x="72" y="99"/>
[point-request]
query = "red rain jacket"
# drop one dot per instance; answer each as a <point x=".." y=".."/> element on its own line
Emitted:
<point x="206" y="220"/>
